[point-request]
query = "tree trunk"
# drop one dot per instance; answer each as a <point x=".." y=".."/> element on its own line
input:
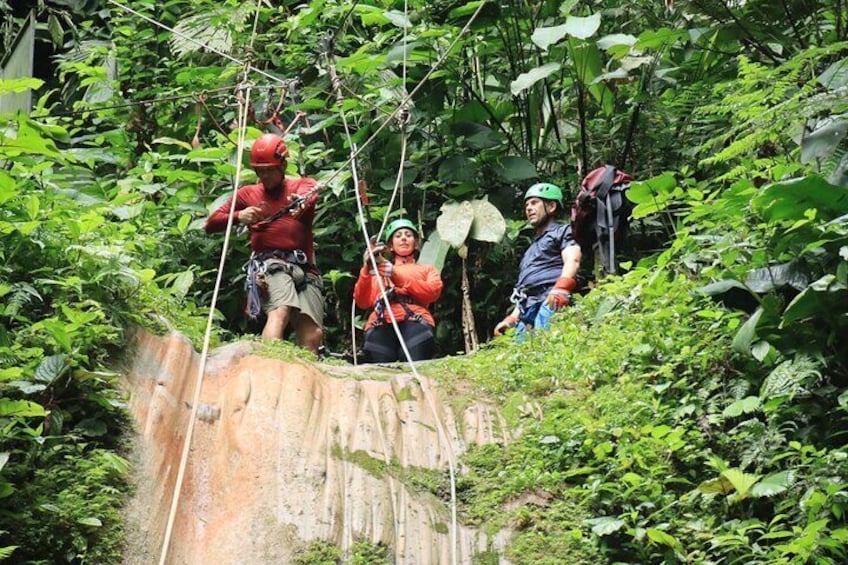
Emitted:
<point x="469" y="328"/>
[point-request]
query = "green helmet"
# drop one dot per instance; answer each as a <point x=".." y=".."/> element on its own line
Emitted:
<point x="545" y="191"/>
<point x="398" y="224"/>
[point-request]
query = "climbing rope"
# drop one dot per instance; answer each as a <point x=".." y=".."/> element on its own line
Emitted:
<point x="242" y="122"/>
<point x="242" y="129"/>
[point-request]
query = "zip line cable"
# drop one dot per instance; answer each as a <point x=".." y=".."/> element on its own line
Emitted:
<point x="201" y="44"/>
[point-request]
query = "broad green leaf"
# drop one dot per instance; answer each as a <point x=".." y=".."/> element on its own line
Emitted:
<point x="183" y="222"/>
<point x="588" y="67"/>
<point x="824" y="298"/>
<point x="583" y="28"/>
<point x="719" y="485"/>
<point x="59" y="332"/>
<point x="90" y="521"/>
<point x="720" y="287"/>
<point x="773" y="484"/>
<point x="434" y="251"/>
<point x="4" y="458"/>
<point x="661" y="38"/>
<point x="182" y="283"/>
<point x="8" y="85"/>
<point x="457" y="168"/>
<point x="51" y="368"/>
<point x="743" y="406"/>
<point x="742" y="482"/>
<point x="172" y="141"/>
<point x="605" y="525"/>
<point x="835" y="76"/>
<point x="489" y="224"/>
<point x="516" y="169"/>
<point x="615" y="39"/>
<point x="10" y="374"/>
<point x="454" y="222"/>
<point x="544" y="37"/>
<point x="663" y="538"/>
<point x="8" y="188"/>
<point x="92" y="427"/>
<point x="20" y="408"/>
<point x="33" y="205"/>
<point x="55" y="29"/>
<point x="745" y="336"/>
<point x="790" y="200"/>
<point x="771" y="278"/>
<point x="399" y="19"/>
<point x="528" y="79"/>
<point x="760" y="350"/>
<point x="824" y="139"/>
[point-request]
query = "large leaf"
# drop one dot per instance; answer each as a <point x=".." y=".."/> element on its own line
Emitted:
<point x="454" y="223"/>
<point x="583" y="28"/>
<point x="773" y="484"/>
<point x="745" y="336"/>
<point x="544" y="37"/>
<point x="776" y="276"/>
<point x="20" y="408"/>
<point x="457" y="168"/>
<point x="824" y="139"/>
<point x="531" y="77"/>
<point x="50" y="368"/>
<point x="434" y="251"/>
<point x="742" y="482"/>
<point x="835" y="76"/>
<point x="8" y="85"/>
<point x="823" y="299"/>
<point x="745" y="405"/>
<point x="605" y="525"/>
<point x="789" y="200"/>
<point x="489" y="224"/>
<point x="516" y="169"/>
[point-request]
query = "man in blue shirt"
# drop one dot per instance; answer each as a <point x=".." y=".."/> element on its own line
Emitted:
<point x="548" y="268"/>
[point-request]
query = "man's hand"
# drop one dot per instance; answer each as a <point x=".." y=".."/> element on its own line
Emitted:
<point x="560" y="295"/>
<point x="509" y="322"/>
<point x="250" y="215"/>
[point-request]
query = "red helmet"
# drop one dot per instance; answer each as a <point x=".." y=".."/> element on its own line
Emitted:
<point x="268" y="151"/>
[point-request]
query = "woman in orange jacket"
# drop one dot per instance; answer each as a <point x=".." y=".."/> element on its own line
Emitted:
<point x="411" y="289"/>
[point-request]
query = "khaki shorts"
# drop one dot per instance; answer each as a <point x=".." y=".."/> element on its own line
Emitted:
<point x="307" y="298"/>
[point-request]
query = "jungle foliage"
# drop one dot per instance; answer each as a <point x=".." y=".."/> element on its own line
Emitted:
<point x="693" y="409"/>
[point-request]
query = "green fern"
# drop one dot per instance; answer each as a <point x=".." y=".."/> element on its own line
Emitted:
<point x="791" y="378"/>
<point x="767" y="104"/>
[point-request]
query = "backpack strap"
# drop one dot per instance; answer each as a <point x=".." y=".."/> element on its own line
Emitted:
<point x="606" y="182"/>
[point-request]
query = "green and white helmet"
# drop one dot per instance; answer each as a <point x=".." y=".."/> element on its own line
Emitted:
<point x="399" y="224"/>
<point x="545" y="191"/>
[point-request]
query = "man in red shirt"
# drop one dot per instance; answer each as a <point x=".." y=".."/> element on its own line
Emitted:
<point x="281" y="243"/>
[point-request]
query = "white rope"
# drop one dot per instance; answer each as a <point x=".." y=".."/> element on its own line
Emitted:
<point x="242" y="121"/>
<point x="244" y="105"/>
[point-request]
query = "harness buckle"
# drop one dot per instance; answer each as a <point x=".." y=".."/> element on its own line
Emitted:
<point x="519" y="294"/>
<point x="299" y="256"/>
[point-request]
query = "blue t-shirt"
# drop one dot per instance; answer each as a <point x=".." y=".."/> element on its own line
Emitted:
<point x="542" y="263"/>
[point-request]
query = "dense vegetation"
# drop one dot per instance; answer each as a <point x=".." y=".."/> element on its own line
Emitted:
<point x="694" y="408"/>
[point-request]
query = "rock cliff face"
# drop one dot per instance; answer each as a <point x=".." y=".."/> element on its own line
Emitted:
<point x="285" y="454"/>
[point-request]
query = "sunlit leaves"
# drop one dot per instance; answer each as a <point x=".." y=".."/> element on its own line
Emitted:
<point x="528" y="79"/>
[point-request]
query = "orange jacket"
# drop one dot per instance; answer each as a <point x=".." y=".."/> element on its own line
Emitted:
<point x="421" y="283"/>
